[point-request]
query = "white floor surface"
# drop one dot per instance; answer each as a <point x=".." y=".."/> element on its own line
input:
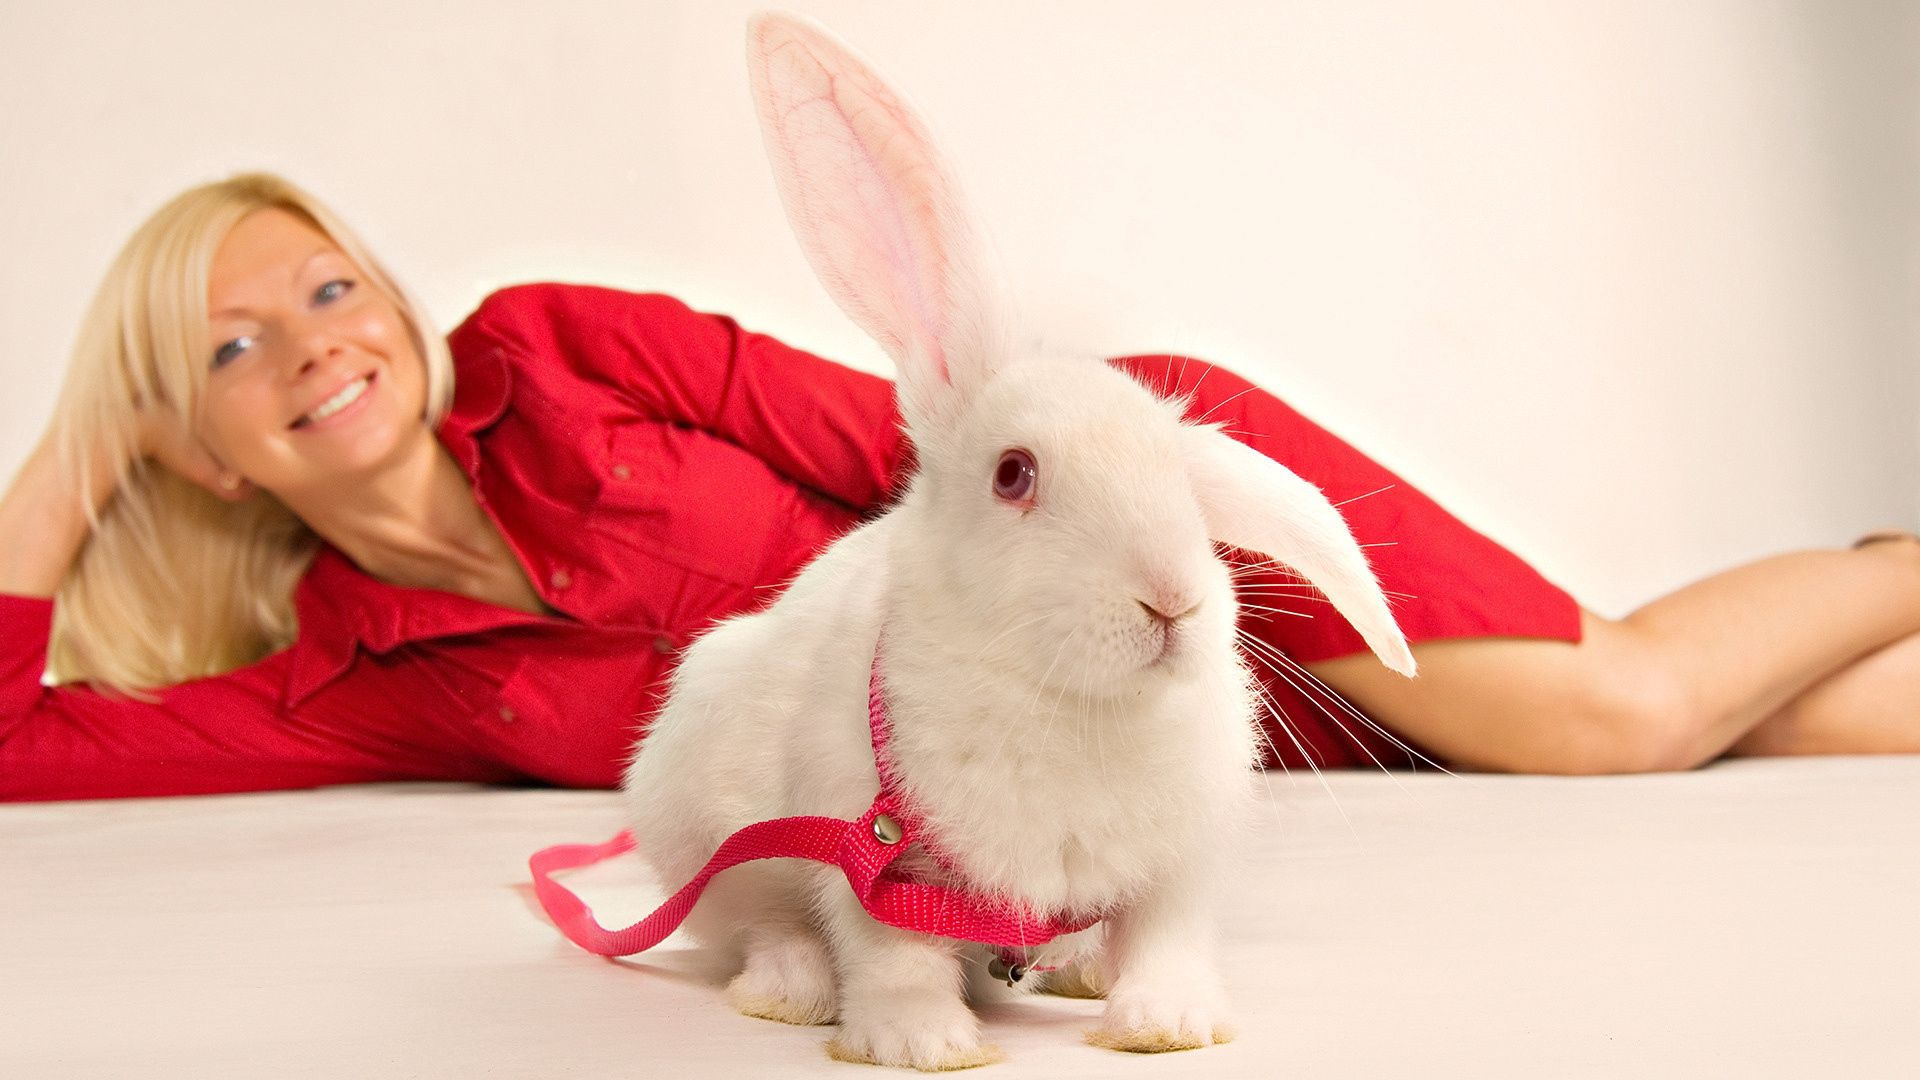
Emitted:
<point x="1752" y="919"/>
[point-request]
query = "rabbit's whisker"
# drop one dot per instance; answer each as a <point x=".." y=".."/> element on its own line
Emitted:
<point x="1275" y="610"/>
<point x="1088" y="719"/>
<point x="1082" y="703"/>
<point x="1290" y="588"/>
<point x="995" y="639"/>
<point x="1266" y="775"/>
<point x="1193" y="392"/>
<point x="1247" y="570"/>
<point x="1362" y="717"/>
<point x="1344" y="730"/>
<point x="1223" y="402"/>
<point x="1254" y="561"/>
<point x="1302" y="592"/>
<point x="1266" y="649"/>
<point x="1040" y="687"/>
<point x="1357" y="498"/>
<point x="1286" y="728"/>
<point x="1287" y="597"/>
<point x="1182" y="402"/>
<point x="1250" y="569"/>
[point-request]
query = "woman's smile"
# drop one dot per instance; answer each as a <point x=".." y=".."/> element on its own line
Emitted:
<point x="340" y="408"/>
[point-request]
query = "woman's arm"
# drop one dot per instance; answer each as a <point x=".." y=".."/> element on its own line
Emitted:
<point x="224" y="733"/>
<point x="43" y="516"/>
<point x="820" y="424"/>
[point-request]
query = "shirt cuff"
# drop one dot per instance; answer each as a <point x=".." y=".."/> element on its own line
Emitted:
<point x="25" y="624"/>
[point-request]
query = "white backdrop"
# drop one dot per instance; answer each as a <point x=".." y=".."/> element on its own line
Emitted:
<point x="1629" y="286"/>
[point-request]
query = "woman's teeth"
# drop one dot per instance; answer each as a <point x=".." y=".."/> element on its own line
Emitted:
<point x="347" y="396"/>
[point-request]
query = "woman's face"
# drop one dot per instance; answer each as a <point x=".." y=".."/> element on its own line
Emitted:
<point x="315" y="383"/>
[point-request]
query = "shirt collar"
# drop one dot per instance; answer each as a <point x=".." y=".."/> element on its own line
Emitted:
<point x="342" y="610"/>
<point x="482" y="390"/>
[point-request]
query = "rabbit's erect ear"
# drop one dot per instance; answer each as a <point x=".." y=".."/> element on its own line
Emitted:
<point x="1253" y="502"/>
<point x="876" y="211"/>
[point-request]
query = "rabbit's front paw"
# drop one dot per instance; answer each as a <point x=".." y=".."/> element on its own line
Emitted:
<point x="789" y="979"/>
<point x="925" y="1031"/>
<point x="1142" y="1021"/>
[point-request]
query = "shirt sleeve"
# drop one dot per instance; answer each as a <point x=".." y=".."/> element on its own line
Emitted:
<point x="26" y="623"/>
<point x="816" y="422"/>
<point x="225" y="733"/>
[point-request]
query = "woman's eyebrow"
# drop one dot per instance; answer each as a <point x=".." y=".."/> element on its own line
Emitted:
<point x="297" y="271"/>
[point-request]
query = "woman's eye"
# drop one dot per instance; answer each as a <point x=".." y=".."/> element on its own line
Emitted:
<point x="333" y="290"/>
<point x="230" y="350"/>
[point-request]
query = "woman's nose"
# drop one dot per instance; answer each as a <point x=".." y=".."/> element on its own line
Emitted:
<point x="313" y="343"/>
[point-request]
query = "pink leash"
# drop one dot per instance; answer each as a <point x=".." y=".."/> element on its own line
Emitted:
<point x="865" y="850"/>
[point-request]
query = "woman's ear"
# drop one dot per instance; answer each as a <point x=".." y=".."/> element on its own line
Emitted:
<point x="186" y="456"/>
<point x="169" y="440"/>
<point x="231" y="487"/>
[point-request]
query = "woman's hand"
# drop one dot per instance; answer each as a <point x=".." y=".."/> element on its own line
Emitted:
<point x="43" y="522"/>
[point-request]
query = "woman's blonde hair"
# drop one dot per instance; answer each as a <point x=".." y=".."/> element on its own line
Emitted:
<point x="174" y="583"/>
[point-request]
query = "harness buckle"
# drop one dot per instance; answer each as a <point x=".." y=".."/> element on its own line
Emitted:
<point x="1007" y="971"/>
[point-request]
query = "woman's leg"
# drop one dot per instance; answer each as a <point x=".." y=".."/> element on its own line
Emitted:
<point x="1758" y="649"/>
<point x="1871" y="706"/>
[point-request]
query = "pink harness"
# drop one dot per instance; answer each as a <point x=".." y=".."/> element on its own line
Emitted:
<point x="864" y="849"/>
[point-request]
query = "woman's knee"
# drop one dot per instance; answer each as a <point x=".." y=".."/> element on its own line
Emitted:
<point x="1610" y="704"/>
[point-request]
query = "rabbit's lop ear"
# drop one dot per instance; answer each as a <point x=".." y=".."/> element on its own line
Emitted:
<point x="876" y="211"/>
<point x="1253" y="502"/>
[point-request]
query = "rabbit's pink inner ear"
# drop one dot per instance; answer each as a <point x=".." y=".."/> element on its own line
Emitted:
<point x="869" y="198"/>
<point x="1252" y="502"/>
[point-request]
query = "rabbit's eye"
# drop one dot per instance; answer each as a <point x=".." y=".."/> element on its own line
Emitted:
<point x="1013" y="477"/>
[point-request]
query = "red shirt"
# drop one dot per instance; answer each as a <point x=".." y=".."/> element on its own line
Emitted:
<point x="655" y="469"/>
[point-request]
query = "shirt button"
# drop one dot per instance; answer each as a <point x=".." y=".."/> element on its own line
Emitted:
<point x="506" y="714"/>
<point x="621" y="472"/>
<point x="663" y="644"/>
<point x="560" y="579"/>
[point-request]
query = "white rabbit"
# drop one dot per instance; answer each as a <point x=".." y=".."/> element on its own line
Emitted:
<point x="1071" y="721"/>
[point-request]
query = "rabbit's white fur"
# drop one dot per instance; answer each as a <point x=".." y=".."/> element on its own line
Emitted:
<point x="1060" y="746"/>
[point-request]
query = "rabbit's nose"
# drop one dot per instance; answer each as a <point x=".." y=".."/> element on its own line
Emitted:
<point x="1161" y="616"/>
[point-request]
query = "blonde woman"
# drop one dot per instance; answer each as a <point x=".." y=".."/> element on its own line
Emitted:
<point x="297" y="538"/>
